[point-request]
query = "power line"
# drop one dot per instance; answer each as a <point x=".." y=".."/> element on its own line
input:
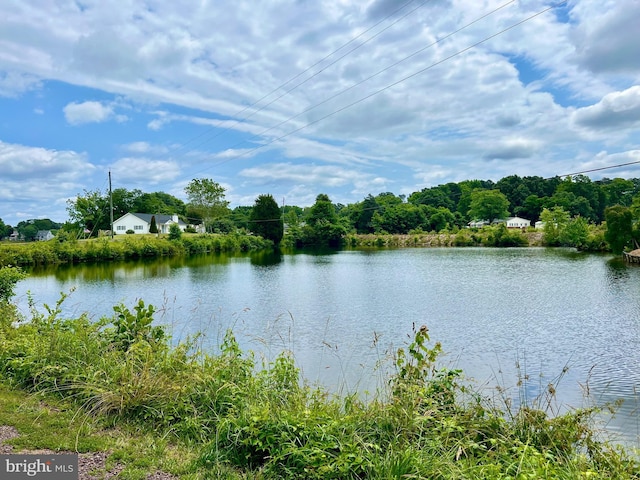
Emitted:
<point x="376" y="92"/>
<point x="326" y="100"/>
<point x="240" y="112"/>
<point x="597" y="169"/>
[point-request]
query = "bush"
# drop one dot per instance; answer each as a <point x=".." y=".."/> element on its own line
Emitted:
<point x="9" y="276"/>
<point x="174" y="232"/>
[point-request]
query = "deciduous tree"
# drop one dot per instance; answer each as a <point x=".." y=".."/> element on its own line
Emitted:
<point x="619" y="227"/>
<point x="207" y="198"/>
<point x="266" y="220"/>
<point x="488" y="205"/>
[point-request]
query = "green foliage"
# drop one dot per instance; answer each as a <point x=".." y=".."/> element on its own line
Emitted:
<point x="576" y="234"/>
<point x="124" y="248"/>
<point x="174" y="232"/>
<point x="153" y="228"/>
<point x="130" y="328"/>
<point x="323" y="226"/>
<point x="555" y="221"/>
<point x="206" y="199"/>
<point x="9" y="276"/>
<point x="501" y="236"/>
<point x="5" y="230"/>
<point x="488" y="205"/>
<point x="619" y="227"/>
<point x="265" y="219"/>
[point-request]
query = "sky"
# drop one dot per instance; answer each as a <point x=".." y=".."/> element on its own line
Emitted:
<point x="295" y="98"/>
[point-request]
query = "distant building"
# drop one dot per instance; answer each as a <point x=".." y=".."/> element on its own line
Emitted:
<point x="517" y="222"/>
<point x="511" y="222"/>
<point x="139" y="223"/>
<point x="44" y="235"/>
<point x="477" y="223"/>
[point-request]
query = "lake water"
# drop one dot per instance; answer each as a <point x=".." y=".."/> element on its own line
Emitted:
<point x="546" y="315"/>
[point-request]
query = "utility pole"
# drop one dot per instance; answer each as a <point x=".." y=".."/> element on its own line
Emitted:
<point x="110" y="206"/>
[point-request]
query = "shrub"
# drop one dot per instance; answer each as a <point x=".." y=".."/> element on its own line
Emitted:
<point x="9" y="276"/>
<point x="174" y="232"/>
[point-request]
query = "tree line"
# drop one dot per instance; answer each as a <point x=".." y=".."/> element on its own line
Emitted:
<point x="568" y="206"/>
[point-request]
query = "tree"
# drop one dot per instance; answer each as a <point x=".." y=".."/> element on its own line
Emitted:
<point x="153" y="228"/>
<point x="206" y="197"/>
<point x="174" y="232"/>
<point x="265" y="219"/>
<point x="619" y="227"/>
<point x="575" y="234"/>
<point x="323" y="227"/>
<point x="555" y="221"/>
<point x="156" y="202"/>
<point x="90" y="210"/>
<point x="363" y="218"/>
<point x="400" y="218"/>
<point x="488" y="205"/>
<point x="5" y="230"/>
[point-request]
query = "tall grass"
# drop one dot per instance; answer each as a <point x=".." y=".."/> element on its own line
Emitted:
<point x="124" y="248"/>
<point x="263" y="420"/>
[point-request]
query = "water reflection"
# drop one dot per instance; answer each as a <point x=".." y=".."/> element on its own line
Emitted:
<point x="266" y="258"/>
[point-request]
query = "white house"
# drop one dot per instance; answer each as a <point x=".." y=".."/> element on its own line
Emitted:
<point x="44" y="235"/>
<point x="477" y="223"/>
<point x="517" y="222"/>
<point x="141" y="222"/>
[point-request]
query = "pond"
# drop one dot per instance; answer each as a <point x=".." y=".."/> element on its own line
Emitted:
<point x="544" y="316"/>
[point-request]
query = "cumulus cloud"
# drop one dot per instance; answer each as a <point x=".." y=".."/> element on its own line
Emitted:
<point x="38" y="181"/>
<point x="256" y="80"/>
<point x="512" y="148"/>
<point x="615" y="111"/>
<point x="13" y="84"/>
<point x="145" y="171"/>
<point x="87" y="112"/>
<point x="608" y="41"/>
<point x="287" y="173"/>
<point x="145" y="147"/>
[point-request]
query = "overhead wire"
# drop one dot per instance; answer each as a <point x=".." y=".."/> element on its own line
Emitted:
<point x="387" y="87"/>
<point x="295" y="77"/>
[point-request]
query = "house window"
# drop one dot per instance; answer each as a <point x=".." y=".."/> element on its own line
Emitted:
<point x="121" y="227"/>
<point x="138" y="227"/>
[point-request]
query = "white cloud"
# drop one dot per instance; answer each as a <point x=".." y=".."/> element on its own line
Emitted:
<point x="228" y="89"/>
<point x="144" y="171"/>
<point x="13" y="84"/>
<point x="287" y="173"/>
<point x="87" y="112"/>
<point x="606" y="37"/>
<point x="38" y="181"/>
<point x="145" y="147"/>
<point x="616" y="110"/>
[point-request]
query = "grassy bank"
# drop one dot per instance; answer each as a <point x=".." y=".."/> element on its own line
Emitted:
<point x="233" y="418"/>
<point x="124" y="247"/>
<point x="462" y="238"/>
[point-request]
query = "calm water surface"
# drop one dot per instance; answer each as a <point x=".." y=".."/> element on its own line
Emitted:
<point x="554" y="316"/>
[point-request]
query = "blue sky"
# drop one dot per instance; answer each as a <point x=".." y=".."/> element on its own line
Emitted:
<point x="296" y="98"/>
